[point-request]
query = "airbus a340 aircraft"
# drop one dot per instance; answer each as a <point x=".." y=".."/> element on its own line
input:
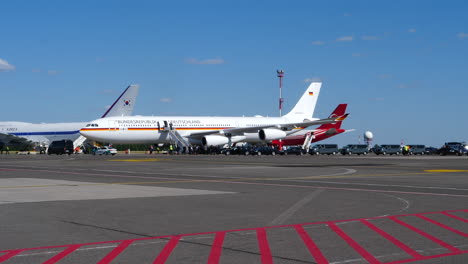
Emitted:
<point x="47" y="132"/>
<point x="208" y="131"/>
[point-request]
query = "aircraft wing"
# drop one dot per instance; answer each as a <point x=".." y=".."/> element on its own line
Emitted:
<point x="288" y="126"/>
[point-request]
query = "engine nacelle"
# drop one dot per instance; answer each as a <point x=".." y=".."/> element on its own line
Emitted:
<point x="331" y="131"/>
<point x="214" y="140"/>
<point x="271" y="134"/>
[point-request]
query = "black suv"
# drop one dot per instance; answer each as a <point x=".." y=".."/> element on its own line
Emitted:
<point x="265" y="150"/>
<point x="237" y="151"/>
<point x="294" y="151"/>
<point x="60" y="147"/>
<point x="453" y="148"/>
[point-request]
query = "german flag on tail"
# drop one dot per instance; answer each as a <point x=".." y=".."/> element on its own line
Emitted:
<point x="341" y="118"/>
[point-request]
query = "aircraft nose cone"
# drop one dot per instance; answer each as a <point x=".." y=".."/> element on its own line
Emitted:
<point x="84" y="133"/>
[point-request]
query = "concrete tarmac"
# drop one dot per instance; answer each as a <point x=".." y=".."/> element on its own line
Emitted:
<point x="233" y="209"/>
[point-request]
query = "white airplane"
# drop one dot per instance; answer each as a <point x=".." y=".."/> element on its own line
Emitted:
<point x="45" y="133"/>
<point x="207" y="131"/>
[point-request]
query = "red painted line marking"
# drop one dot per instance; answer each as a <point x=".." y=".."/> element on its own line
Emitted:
<point x="10" y="254"/>
<point x="313" y="248"/>
<point x="358" y="248"/>
<point x="216" y="248"/>
<point x="455" y="217"/>
<point x="426" y="235"/>
<point x="443" y="226"/>
<point x="114" y="253"/>
<point x="394" y="240"/>
<point x="428" y="257"/>
<point x="167" y="250"/>
<point x="264" y="247"/>
<point x="234" y="230"/>
<point x="262" y="240"/>
<point x="62" y="254"/>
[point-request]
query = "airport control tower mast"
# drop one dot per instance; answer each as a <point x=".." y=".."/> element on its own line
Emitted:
<point x="281" y="100"/>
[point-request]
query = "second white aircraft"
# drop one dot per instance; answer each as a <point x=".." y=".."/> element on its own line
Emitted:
<point x="208" y="131"/>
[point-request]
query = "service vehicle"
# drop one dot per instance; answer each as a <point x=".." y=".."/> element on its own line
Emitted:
<point x="293" y="150"/>
<point x="355" y="149"/>
<point x="243" y="150"/>
<point x="105" y="150"/>
<point x="60" y="147"/>
<point x="453" y="148"/>
<point x="417" y="149"/>
<point x="329" y="149"/>
<point x="431" y="151"/>
<point x="388" y="150"/>
<point x="264" y="150"/>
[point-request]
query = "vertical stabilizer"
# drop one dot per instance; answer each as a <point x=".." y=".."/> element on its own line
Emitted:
<point x="123" y="106"/>
<point x="306" y="105"/>
<point x="339" y="111"/>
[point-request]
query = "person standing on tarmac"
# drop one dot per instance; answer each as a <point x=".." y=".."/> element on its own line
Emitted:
<point x="406" y="150"/>
<point x="171" y="148"/>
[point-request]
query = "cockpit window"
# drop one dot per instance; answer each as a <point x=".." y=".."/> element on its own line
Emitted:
<point x="88" y="125"/>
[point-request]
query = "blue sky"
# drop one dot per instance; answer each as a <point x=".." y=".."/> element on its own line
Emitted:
<point x="400" y="65"/>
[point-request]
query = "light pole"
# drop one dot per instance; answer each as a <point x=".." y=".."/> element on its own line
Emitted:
<point x="281" y="101"/>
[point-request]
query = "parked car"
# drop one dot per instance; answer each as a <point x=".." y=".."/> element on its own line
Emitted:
<point x="105" y="151"/>
<point x="453" y="148"/>
<point x="431" y="151"/>
<point x="294" y="150"/>
<point x="329" y="149"/>
<point x="237" y="151"/>
<point x="355" y="149"/>
<point x="60" y="147"/>
<point x="417" y="149"/>
<point x="388" y="149"/>
<point x="264" y="150"/>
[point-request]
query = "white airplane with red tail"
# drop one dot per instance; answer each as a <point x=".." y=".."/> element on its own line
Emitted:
<point x="325" y="131"/>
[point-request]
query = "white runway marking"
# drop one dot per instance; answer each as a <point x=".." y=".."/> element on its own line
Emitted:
<point x="296" y="207"/>
<point x="406" y="203"/>
<point x="390" y="185"/>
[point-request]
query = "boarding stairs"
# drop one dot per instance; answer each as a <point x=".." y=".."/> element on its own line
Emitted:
<point x="176" y="137"/>
<point x="308" y="140"/>
<point x="79" y="141"/>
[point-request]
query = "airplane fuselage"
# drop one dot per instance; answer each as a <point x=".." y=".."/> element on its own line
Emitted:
<point x="43" y="133"/>
<point x="146" y="129"/>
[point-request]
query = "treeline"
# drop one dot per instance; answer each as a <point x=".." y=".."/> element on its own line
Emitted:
<point x="15" y="143"/>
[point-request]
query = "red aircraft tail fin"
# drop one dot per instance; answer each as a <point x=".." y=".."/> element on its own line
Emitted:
<point x="339" y="111"/>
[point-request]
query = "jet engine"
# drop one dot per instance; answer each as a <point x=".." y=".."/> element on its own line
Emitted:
<point x="214" y="140"/>
<point x="271" y="134"/>
<point x="331" y="131"/>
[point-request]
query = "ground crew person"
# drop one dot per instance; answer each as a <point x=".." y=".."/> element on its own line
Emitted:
<point x="171" y="148"/>
<point x="406" y="150"/>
